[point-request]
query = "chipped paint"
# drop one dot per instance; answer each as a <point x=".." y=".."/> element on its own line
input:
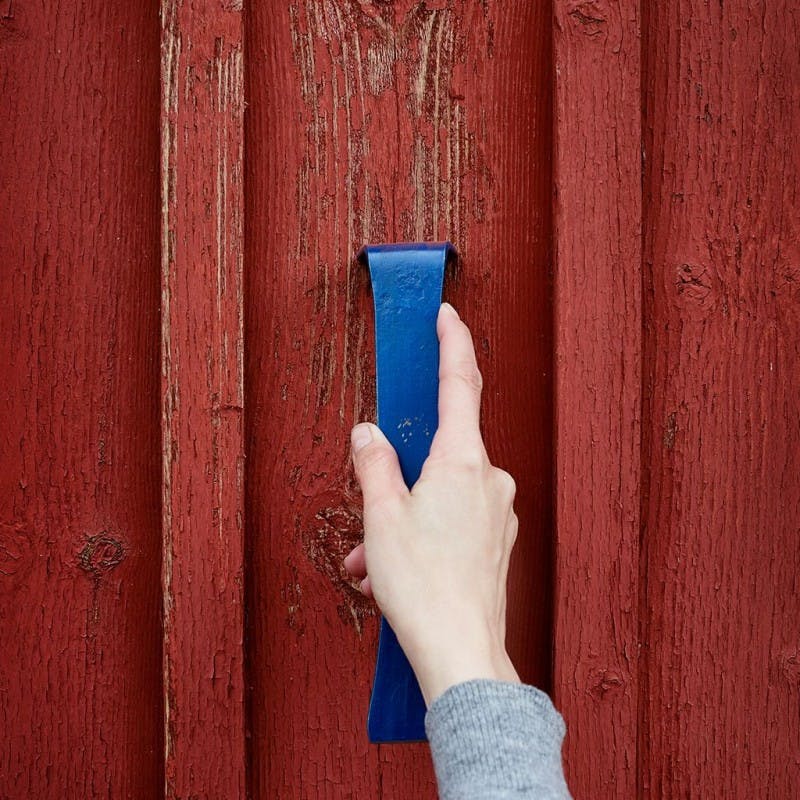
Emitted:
<point x="202" y="357"/>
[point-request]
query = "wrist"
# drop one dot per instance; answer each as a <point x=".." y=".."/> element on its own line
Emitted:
<point x="441" y="666"/>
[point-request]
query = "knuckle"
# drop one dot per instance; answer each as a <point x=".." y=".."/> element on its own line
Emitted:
<point x="467" y="454"/>
<point x="473" y="378"/>
<point x="506" y="483"/>
<point x="513" y="529"/>
<point x="473" y="459"/>
<point x="468" y="373"/>
<point x="373" y="457"/>
<point x="511" y="532"/>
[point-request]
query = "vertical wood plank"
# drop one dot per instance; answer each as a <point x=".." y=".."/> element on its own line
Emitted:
<point x="380" y="122"/>
<point x="598" y="349"/>
<point x="80" y="631"/>
<point x="202" y="395"/>
<point x="721" y="622"/>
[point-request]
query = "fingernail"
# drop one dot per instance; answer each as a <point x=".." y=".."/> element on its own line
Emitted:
<point x="360" y="436"/>
<point x="447" y="308"/>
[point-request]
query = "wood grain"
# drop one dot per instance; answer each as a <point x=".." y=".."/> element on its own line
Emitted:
<point x="597" y="212"/>
<point x="721" y="608"/>
<point x="380" y="122"/>
<point x="202" y="397"/>
<point x="80" y="664"/>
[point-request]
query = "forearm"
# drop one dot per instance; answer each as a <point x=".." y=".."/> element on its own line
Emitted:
<point x="492" y="740"/>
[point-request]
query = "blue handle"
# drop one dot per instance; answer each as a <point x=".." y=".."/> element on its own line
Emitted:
<point x="407" y="289"/>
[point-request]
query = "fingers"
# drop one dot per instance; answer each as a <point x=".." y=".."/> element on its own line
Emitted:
<point x="378" y="472"/>
<point x="366" y="588"/>
<point x="460" y="387"/>
<point x="376" y="465"/>
<point x="355" y="562"/>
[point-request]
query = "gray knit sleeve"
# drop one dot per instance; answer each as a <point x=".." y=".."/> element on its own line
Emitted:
<point x="492" y="740"/>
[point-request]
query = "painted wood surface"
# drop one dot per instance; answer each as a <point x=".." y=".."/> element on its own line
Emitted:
<point x="597" y="388"/>
<point x="202" y="397"/>
<point x="80" y="630"/>
<point x="720" y="692"/>
<point x="368" y="123"/>
<point x="125" y="563"/>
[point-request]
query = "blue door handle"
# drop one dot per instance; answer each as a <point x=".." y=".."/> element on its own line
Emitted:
<point x="407" y="284"/>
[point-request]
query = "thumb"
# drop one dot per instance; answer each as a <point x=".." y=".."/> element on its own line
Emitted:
<point x="376" y="464"/>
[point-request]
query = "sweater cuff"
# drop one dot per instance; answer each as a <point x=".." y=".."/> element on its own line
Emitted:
<point x="509" y="731"/>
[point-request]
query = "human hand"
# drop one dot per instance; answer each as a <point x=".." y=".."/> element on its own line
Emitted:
<point x="435" y="558"/>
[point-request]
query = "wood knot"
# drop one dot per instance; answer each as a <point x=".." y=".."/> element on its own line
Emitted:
<point x="788" y="667"/>
<point x="330" y="533"/>
<point x="695" y="290"/>
<point x="605" y="683"/>
<point x="330" y="530"/>
<point x="100" y="554"/>
<point x="588" y="17"/>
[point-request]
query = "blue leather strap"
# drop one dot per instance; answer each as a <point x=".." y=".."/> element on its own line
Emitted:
<point x="407" y="289"/>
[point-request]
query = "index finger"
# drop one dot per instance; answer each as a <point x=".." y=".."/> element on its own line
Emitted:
<point x="460" y="385"/>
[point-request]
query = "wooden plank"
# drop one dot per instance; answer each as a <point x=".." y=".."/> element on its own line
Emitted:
<point x="598" y="350"/>
<point x="721" y="685"/>
<point x="380" y="122"/>
<point x="80" y="671"/>
<point x="202" y="397"/>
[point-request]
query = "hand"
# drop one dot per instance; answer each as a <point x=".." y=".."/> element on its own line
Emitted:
<point x="436" y="558"/>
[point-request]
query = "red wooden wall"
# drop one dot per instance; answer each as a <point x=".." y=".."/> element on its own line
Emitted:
<point x="597" y="344"/>
<point x="186" y="342"/>
<point x="378" y="124"/>
<point x="80" y="535"/>
<point x="719" y="602"/>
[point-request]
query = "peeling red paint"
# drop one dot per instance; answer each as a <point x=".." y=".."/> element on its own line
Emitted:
<point x="372" y="122"/>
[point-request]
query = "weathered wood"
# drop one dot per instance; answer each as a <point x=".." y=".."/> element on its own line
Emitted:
<point x="380" y="122"/>
<point x="80" y="654"/>
<point x="202" y="397"/>
<point x="721" y="613"/>
<point x="598" y="349"/>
